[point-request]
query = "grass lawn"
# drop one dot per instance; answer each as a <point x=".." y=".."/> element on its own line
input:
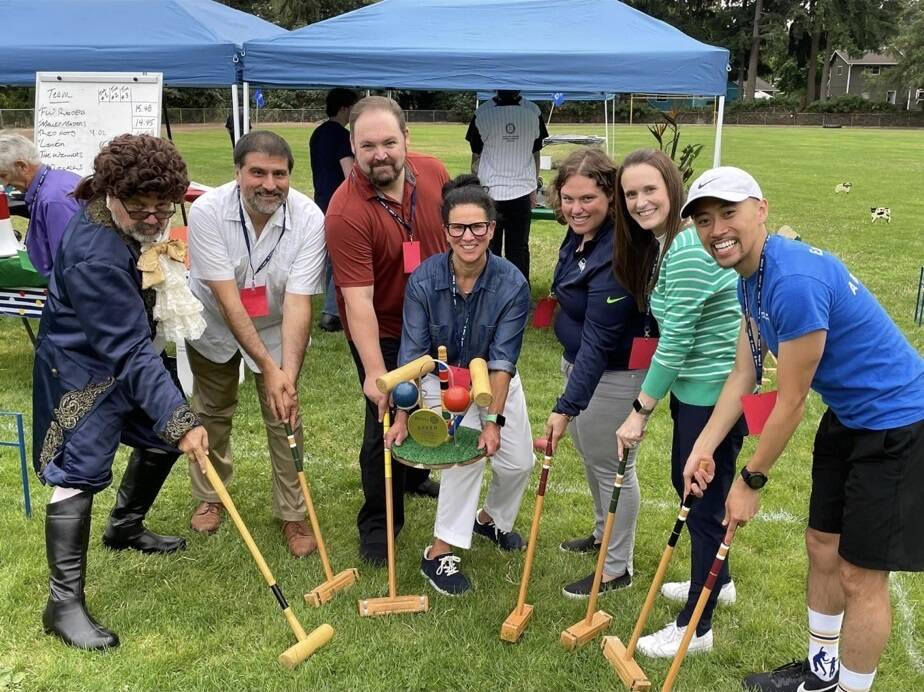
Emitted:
<point x="204" y="619"/>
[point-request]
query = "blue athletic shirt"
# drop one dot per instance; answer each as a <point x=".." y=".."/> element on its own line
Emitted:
<point x="869" y="375"/>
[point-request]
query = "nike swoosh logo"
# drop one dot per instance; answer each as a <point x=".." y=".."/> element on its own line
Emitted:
<point x="705" y="183"/>
<point x="610" y="300"/>
<point x="803" y="688"/>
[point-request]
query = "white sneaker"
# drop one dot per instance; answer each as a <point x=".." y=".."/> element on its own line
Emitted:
<point x="665" y="642"/>
<point x="678" y="590"/>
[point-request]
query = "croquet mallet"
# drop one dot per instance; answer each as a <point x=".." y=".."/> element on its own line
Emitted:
<point x="596" y="621"/>
<point x="622" y="658"/>
<point x="513" y="627"/>
<point x="307" y="643"/>
<point x="392" y="603"/>
<point x="698" y="610"/>
<point x="334" y="583"/>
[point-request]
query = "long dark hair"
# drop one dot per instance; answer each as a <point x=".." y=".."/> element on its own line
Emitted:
<point x="591" y="163"/>
<point x="635" y="250"/>
<point x="467" y="189"/>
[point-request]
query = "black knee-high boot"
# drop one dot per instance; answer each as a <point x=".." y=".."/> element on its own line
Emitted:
<point x="67" y="534"/>
<point x="144" y="476"/>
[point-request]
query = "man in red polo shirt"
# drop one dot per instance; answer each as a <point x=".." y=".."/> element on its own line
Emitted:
<point x="380" y="224"/>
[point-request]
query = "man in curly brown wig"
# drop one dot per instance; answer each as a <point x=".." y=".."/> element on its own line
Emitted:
<point x="99" y="378"/>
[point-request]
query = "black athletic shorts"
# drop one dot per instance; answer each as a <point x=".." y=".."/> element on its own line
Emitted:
<point x="868" y="486"/>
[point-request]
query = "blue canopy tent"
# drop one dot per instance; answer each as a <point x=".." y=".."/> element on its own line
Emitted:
<point x="194" y="43"/>
<point x="482" y="45"/>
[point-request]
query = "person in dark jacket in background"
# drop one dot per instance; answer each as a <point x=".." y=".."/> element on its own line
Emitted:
<point x="596" y="325"/>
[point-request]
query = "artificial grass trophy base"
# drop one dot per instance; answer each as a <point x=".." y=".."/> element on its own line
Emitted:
<point x="457" y="451"/>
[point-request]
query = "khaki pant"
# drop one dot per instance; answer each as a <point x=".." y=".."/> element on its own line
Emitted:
<point x="215" y="399"/>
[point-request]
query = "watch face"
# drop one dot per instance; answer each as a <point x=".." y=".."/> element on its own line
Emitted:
<point x="754" y="480"/>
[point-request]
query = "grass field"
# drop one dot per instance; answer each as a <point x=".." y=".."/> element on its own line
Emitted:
<point x="204" y="619"/>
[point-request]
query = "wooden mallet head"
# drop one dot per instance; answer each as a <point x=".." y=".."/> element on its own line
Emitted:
<point x="297" y="653"/>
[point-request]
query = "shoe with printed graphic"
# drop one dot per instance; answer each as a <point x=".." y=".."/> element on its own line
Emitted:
<point x="679" y="590"/>
<point x="796" y="676"/>
<point x="444" y="574"/>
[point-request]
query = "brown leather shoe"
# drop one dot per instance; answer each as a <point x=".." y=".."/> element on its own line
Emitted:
<point x="299" y="537"/>
<point x="207" y="517"/>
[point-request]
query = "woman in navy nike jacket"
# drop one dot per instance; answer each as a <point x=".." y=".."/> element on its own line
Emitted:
<point x="596" y="324"/>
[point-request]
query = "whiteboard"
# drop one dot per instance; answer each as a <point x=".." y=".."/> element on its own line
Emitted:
<point x="77" y="112"/>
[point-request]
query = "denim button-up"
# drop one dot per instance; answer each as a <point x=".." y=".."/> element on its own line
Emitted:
<point x="488" y="323"/>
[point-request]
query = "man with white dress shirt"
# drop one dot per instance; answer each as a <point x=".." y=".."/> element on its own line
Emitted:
<point x="256" y="257"/>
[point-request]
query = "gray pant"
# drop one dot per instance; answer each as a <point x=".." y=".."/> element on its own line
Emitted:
<point x="594" y="436"/>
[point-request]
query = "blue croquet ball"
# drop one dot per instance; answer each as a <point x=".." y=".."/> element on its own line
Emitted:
<point x="405" y="395"/>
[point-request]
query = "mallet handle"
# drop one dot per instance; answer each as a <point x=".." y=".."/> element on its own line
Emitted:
<point x="698" y="611"/>
<point x="389" y="513"/>
<point x="605" y="540"/>
<point x="658" y="580"/>
<point x="306" y="492"/>
<point x="228" y="503"/>
<point x="533" y="534"/>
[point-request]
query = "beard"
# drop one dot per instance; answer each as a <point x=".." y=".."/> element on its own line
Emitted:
<point x="264" y="203"/>
<point x="146" y="233"/>
<point x="384" y="173"/>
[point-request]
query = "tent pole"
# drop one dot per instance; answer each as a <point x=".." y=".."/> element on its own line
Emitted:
<point x="551" y="110"/>
<point x="717" y="154"/>
<point x="606" y="125"/>
<point x="631" y="107"/>
<point x="613" y="122"/>
<point x="170" y="137"/>
<point x="245" y="125"/>
<point x="234" y="119"/>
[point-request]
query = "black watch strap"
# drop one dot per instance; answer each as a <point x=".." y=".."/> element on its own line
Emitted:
<point x="639" y="408"/>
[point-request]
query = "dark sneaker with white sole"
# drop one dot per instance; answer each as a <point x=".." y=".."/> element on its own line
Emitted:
<point x="505" y="540"/>
<point x="582" y="587"/>
<point x="585" y="544"/>
<point x="444" y="574"/>
<point x="793" y="677"/>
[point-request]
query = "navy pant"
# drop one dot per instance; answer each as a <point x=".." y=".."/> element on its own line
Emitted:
<point x="704" y="523"/>
<point x="371" y="519"/>
<point x="512" y="232"/>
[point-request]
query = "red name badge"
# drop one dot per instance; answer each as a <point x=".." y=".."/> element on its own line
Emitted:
<point x="643" y="350"/>
<point x="410" y="250"/>
<point x="757" y="408"/>
<point x="460" y="377"/>
<point x="254" y="301"/>
<point x="545" y="308"/>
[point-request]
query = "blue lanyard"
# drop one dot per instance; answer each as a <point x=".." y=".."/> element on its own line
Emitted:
<point x="468" y="312"/>
<point x="408" y="223"/>
<point x="756" y="343"/>
<point x="240" y="210"/>
<point x="38" y="187"/>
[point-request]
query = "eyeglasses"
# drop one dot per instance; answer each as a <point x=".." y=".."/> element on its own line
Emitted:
<point x="142" y="214"/>
<point x="457" y="230"/>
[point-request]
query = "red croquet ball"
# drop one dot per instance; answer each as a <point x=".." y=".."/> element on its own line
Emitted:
<point x="456" y="399"/>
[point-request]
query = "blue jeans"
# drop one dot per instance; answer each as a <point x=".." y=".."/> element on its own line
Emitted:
<point x="330" y="298"/>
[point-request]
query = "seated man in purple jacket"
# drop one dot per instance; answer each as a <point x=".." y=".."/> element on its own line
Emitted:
<point x="49" y="197"/>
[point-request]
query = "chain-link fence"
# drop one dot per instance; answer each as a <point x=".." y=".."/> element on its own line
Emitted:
<point x="22" y="118"/>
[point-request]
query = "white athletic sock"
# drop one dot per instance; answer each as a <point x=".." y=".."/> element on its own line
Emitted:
<point x="824" y="638"/>
<point x="855" y="682"/>
<point x="60" y="494"/>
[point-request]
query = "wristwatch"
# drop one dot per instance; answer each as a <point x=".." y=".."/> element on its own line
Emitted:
<point x="755" y="480"/>
<point x="497" y="418"/>
<point x="637" y="405"/>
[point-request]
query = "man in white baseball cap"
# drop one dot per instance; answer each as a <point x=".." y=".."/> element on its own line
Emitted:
<point x="829" y="334"/>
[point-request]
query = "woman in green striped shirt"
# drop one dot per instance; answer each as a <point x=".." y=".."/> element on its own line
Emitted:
<point x="671" y="276"/>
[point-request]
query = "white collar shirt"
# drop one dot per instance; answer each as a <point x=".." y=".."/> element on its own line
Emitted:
<point x="218" y="252"/>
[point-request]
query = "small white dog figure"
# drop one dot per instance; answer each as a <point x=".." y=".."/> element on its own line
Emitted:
<point x="880" y="213"/>
<point x="843" y="187"/>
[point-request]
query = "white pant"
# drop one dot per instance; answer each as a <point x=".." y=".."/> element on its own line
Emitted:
<point x="460" y="486"/>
